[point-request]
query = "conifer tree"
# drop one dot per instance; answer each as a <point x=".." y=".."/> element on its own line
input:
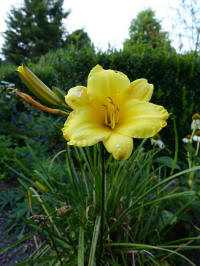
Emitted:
<point x="78" y="38"/>
<point x="146" y="29"/>
<point x="33" y="30"/>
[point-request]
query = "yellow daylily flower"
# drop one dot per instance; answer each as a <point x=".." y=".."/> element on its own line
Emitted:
<point x="113" y="110"/>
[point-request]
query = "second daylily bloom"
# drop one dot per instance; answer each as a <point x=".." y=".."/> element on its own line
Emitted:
<point x="113" y="110"/>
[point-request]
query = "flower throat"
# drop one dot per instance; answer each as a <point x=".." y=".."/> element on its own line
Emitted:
<point x="111" y="113"/>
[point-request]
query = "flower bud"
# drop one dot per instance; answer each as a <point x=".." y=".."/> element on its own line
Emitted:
<point x="27" y="98"/>
<point x="37" y="87"/>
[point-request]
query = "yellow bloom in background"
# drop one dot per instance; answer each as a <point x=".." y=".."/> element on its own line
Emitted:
<point x="113" y="110"/>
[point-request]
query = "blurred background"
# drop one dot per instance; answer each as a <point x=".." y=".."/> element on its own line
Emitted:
<point x="107" y="23"/>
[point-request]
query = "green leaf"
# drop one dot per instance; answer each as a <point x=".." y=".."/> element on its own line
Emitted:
<point x="94" y="240"/>
<point x="136" y="246"/>
<point x="60" y="93"/>
<point x="17" y="242"/>
<point x="81" y="248"/>
<point x="167" y="161"/>
<point x="165" y="217"/>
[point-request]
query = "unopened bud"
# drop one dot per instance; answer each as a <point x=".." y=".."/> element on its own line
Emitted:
<point x="42" y="107"/>
<point x="37" y="87"/>
<point x="63" y="210"/>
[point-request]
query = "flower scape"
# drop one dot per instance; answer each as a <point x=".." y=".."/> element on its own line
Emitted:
<point x="113" y="110"/>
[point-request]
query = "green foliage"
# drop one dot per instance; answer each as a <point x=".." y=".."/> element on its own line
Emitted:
<point x="8" y="73"/>
<point x="79" y="39"/>
<point x="146" y="29"/>
<point x="148" y="209"/>
<point x="146" y="206"/>
<point x="8" y="154"/>
<point x="15" y="200"/>
<point x="191" y="157"/>
<point x="33" y="30"/>
<point x="143" y="211"/>
<point x="70" y="66"/>
<point x="21" y="124"/>
<point x="9" y="132"/>
<point x="175" y="76"/>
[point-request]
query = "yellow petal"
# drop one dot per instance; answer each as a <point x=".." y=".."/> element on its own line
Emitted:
<point x="120" y="146"/>
<point x="103" y="84"/>
<point x="85" y="127"/>
<point x="141" y="90"/>
<point x="141" y="119"/>
<point x="77" y="97"/>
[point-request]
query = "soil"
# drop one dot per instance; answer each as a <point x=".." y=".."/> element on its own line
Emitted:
<point x="20" y="252"/>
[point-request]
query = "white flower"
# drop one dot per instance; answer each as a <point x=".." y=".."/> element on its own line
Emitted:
<point x="158" y="142"/>
<point x="196" y="138"/>
<point x="186" y="140"/>
<point x="195" y="124"/>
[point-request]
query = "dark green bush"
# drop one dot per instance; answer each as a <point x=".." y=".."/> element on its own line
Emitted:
<point x="175" y="76"/>
<point x="70" y="66"/>
<point x="22" y="123"/>
<point x="9" y="73"/>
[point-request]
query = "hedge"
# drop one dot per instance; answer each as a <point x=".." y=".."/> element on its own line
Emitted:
<point x="175" y="76"/>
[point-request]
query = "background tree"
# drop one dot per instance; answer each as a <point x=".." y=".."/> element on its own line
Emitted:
<point x="34" y="29"/>
<point x="187" y="24"/>
<point x="78" y="38"/>
<point x="146" y="29"/>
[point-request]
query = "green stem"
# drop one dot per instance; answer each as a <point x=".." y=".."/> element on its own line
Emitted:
<point x="46" y="211"/>
<point x="197" y="148"/>
<point x="190" y="163"/>
<point x="102" y="195"/>
<point x="176" y="148"/>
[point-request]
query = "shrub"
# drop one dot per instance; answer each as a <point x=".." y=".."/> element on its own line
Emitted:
<point x="175" y="76"/>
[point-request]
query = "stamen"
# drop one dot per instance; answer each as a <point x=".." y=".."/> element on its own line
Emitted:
<point x="106" y="114"/>
<point x="111" y="114"/>
<point x="117" y="115"/>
